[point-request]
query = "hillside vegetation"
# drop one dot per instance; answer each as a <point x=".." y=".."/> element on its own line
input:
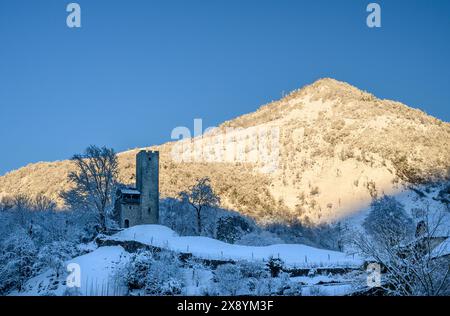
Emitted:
<point x="338" y="147"/>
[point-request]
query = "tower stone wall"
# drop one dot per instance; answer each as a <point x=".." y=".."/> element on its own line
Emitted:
<point x="147" y="182"/>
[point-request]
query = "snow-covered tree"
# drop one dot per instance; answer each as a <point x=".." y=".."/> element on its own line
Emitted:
<point x="412" y="264"/>
<point x="388" y="222"/>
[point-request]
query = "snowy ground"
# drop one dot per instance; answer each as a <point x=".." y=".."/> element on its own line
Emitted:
<point x="294" y="255"/>
<point x="100" y="268"/>
<point x="97" y="274"/>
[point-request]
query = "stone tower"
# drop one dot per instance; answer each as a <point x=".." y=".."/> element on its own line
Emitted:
<point x="140" y="205"/>
<point x="147" y="182"/>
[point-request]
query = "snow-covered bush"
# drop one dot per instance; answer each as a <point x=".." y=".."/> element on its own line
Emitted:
<point x="137" y="269"/>
<point x="252" y="278"/>
<point x="281" y="285"/>
<point x="253" y="269"/>
<point x="232" y="228"/>
<point x="294" y="289"/>
<point x="34" y="237"/>
<point x="258" y="286"/>
<point x="53" y="256"/>
<point x="164" y="276"/>
<point x="264" y="287"/>
<point x="154" y="274"/>
<point x="275" y="266"/>
<point x="315" y="290"/>
<point x="17" y="258"/>
<point x="229" y="279"/>
<point x="285" y="286"/>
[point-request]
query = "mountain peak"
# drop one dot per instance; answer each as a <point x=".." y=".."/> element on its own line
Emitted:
<point x="329" y="88"/>
<point x="327" y="82"/>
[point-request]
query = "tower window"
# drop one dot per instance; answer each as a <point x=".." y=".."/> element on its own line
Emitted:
<point x="126" y="223"/>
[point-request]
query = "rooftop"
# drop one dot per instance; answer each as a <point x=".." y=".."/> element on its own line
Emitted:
<point x="129" y="191"/>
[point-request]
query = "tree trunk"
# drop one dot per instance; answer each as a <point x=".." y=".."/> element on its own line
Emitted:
<point x="102" y="222"/>
<point x="199" y="221"/>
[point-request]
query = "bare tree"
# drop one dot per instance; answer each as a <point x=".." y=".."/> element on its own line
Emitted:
<point x="95" y="181"/>
<point x="201" y="196"/>
<point x="22" y="207"/>
<point x="43" y="203"/>
<point x="22" y="202"/>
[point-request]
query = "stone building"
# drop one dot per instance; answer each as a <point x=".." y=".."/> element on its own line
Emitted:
<point x="140" y="205"/>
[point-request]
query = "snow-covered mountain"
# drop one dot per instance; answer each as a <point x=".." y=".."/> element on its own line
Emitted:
<point x="337" y="147"/>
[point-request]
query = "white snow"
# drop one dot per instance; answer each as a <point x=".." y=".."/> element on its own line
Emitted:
<point x="442" y="249"/>
<point x="97" y="274"/>
<point x="130" y="191"/>
<point x="98" y="269"/>
<point x="294" y="255"/>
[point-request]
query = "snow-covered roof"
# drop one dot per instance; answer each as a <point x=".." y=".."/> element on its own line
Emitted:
<point x="442" y="250"/>
<point x="129" y="191"/>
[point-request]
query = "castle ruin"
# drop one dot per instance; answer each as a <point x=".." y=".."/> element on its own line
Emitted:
<point x="140" y="205"/>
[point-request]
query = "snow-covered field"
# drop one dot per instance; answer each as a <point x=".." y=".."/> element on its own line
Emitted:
<point x="293" y="255"/>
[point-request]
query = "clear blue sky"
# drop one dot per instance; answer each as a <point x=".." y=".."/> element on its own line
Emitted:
<point x="137" y="69"/>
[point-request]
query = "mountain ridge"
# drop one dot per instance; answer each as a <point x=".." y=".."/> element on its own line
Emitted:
<point x="338" y="148"/>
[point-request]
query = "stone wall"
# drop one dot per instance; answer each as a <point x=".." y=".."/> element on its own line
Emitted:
<point x="147" y="182"/>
